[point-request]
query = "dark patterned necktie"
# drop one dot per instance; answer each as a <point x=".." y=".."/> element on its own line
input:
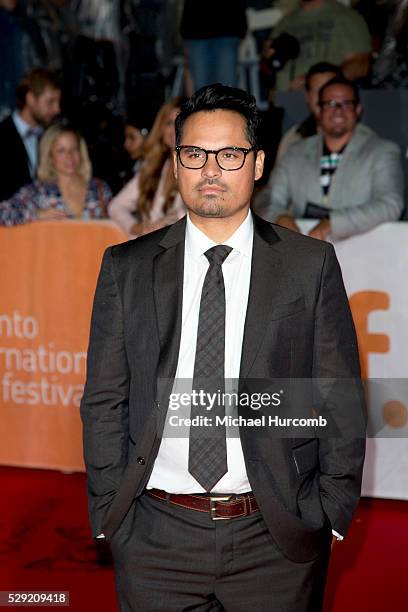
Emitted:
<point x="207" y="460"/>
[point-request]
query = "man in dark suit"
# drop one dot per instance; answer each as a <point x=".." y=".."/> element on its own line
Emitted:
<point x="38" y="103"/>
<point x="203" y="518"/>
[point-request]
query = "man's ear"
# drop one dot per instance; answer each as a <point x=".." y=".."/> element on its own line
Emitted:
<point x="359" y="110"/>
<point x="30" y="99"/>
<point x="175" y="164"/>
<point x="259" y="164"/>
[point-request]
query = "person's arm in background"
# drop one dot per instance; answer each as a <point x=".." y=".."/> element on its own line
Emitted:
<point x="273" y="202"/>
<point x="356" y="66"/>
<point x="288" y="139"/>
<point x="386" y="203"/>
<point x="24" y="207"/>
<point x="21" y="208"/>
<point x="123" y="205"/>
<point x="278" y="28"/>
<point x="357" y="47"/>
<point x="104" y="195"/>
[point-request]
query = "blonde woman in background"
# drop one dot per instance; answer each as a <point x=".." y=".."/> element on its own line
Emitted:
<point x="150" y="200"/>
<point x="64" y="188"/>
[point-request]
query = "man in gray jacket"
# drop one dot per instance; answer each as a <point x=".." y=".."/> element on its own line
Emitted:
<point x="346" y="177"/>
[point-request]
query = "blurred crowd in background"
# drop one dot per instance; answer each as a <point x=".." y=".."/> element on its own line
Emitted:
<point x="89" y="90"/>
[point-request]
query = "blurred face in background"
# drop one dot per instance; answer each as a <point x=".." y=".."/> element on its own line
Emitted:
<point x="44" y="107"/>
<point x="134" y="140"/>
<point x="65" y="154"/>
<point x="8" y="5"/>
<point x="316" y="82"/>
<point x="168" y="133"/>
<point x="340" y="119"/>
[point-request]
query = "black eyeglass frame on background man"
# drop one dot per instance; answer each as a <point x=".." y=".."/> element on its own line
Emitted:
<point x="334" y="104"/>
<point x="238" y="156"/>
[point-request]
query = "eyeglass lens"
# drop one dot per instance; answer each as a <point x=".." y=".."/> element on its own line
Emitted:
<point x="343" y="104"/>
<point x="227" y="159"/>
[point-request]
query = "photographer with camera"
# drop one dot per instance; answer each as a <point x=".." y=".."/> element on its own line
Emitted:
<point x="319" y="30"/>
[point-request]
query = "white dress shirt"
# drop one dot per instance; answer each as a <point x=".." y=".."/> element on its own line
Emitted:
<point x="170" y="472"/>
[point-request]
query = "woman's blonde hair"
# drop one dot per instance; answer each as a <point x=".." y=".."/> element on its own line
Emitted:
<point x="46" y="171"/>
<point x="155" y="154"/>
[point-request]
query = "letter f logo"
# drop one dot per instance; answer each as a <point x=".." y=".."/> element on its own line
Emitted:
<point x="361" y="304"/>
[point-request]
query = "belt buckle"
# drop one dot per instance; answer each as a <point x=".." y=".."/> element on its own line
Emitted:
<point x="213" y="501"/>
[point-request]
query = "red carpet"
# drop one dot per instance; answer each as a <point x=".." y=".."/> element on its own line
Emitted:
<point x="45" y="544"/>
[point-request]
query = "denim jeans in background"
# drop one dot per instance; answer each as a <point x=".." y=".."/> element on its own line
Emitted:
<point x="213" y="60"/>
<point x="11" y="60"/>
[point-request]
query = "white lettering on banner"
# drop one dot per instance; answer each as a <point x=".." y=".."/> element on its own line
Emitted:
<point x="42" y="359"/>
<point x="17" y="326"/>
<point x="47" y="391"/>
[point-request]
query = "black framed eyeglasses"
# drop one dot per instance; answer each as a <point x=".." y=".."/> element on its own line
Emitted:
<point x="333" y="104"/>
<point x="228" y="158"/>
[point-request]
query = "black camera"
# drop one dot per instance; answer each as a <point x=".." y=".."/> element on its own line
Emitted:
<point x="286" y="48"/>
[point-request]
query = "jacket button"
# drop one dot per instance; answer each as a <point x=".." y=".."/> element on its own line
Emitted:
<point x="141" y="460"/>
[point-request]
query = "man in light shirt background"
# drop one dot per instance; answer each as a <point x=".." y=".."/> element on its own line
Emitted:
<point x="327" y="31"/>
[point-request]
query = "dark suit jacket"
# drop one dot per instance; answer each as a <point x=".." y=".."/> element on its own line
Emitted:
<point x="298" y="324"/>
<point x="14" y="165"/>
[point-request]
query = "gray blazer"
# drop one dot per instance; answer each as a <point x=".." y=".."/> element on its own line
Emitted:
<point x="366" y="190"/>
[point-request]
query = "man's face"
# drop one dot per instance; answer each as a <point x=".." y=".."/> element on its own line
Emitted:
<point x="312" y="94"/>
<point x="45" y="107"/>
<point x="339" y="119"/>
<point x="210" y="191"/>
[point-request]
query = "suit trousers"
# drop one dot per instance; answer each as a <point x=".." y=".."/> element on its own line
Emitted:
<point x="173" y="559"/>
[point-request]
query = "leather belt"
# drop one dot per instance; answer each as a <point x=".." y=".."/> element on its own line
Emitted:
<point x="220" y="507"/>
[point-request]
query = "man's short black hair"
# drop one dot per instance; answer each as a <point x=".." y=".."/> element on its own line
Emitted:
<point x="215" y="97"/>
<point x="341" y="81"/>
<point x="322" y="68"/>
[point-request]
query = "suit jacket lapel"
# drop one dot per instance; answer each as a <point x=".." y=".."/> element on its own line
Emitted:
<point x="168" y="270"/>
<point x="309" y="179"/>
<point x="266" y="273"/>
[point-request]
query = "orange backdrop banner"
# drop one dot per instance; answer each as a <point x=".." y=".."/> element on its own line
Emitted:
<point x="49" y="273"/>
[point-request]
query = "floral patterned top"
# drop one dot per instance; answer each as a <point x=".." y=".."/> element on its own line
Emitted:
<point x="23" y="206"/>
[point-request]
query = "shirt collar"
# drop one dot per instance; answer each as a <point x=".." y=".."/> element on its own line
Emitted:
<point x="23" y="128"/>
<point x="197" y="243"/>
